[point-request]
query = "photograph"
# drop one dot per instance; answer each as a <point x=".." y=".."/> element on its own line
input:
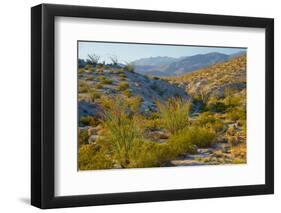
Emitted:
<point x="139" y="105"/>
<point x="160" y="105"/>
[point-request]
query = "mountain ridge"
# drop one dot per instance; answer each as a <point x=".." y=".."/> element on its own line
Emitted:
<point x="168" y="66"/>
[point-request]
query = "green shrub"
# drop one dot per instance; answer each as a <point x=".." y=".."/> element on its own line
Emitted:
<point x="90" y="78"/>
<point x="202" y="137"/>
<point x="101" y="77"/>
<point x="123" y="131"/>
<point x="216" y="105"/>
<point x="81" y="70"/>
<point x="104" y="80"/>
<point x="208" y="120"/>
<point x="83" y="137"/>
<point x="149" y="154"/>
<point x="99" y="66"/>
<point x="118" y="71"/>
<point x="128" y="93"/>
<point x="129" y="67"/>
<point x="184" y="141"/>
<point x="174" y="114"/>
<point x="123" y="86"/>
<point x="232" y="101"/>
<point x="88" y="121"/>
<point x="98" y="86"/>
<point x="94" y="96"/>
<point x="91" y="157"/>
<point x="85" y="120"/>
<point x="88" y="66"/>
<point x="236" y="114"/>
<point x="83" y="87"/>
<point x="122" y="75"/>
<point x="92" y="69"/>
<point x="181" y="142"/>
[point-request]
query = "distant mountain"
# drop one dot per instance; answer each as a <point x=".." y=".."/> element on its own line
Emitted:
<point x="238" y="54"/>
<point x="154" y="61"/>
<point x="144" y="65"/>
<point x="167" y="66"/>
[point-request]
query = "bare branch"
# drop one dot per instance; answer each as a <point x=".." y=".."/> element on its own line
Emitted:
<point x="93" y="59"/>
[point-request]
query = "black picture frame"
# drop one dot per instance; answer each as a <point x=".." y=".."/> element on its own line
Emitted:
<point x="43" y="102"/>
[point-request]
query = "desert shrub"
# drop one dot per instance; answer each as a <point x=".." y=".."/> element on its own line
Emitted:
<point x="90" y="78"/>
<point x="101" y="77"/>
<point x="215" y="105"/>
<point x="155" y="78"/>
<point x="88" y="66"/>
<point x="118" y="71"/>
<point x="94" y="95"/>
<point x="85" y="120"/>
<point x="181" y="142"/>
<point x="127" y="93"/>
<point x="203" y="95"/>
<point x="81" y="70"/>
<point x="83" y="137"/>
<point x="98" y="86"/>
<point x="149" y="154"/>
<point x="129" y="67"/>
<point x="236" y="114"/>
<point x="123" y="86"/>
<point x="151" y="124"/>
<point x="92" y="69"/>
<point x="235" y="135"/>
<point x="122" y="75"/>
<point x="185" y="140"/>
<point x="91" y="157"/>
<point x="83" y="87"/>
<point x="232" y="101"/>
<point x="207" y="119"/>
<point x="202" y="137"/>
<point x="239" y="153"/>
<point x="174" y="114"/>
<point x="100" y="66"/>
<point x="123" y="131"/>
<point x="88" y="121"/>
<point x="104" y="80"/>
<point x="107" y="81"/>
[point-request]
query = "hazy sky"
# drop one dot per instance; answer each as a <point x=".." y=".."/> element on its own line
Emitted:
<point x="127" y="52"/>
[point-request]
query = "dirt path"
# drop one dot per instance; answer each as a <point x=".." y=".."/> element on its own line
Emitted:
<point x="217" y="154"/>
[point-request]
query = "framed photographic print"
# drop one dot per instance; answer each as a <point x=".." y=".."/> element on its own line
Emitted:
<point x="139" y="106"/>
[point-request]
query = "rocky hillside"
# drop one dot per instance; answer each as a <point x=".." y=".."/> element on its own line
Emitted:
<point x="215" y="80"/>
<point x="111" y="82"/>
<point x="219" y="101"/>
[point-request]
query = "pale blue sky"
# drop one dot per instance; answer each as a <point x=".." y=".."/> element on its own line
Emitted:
<point x="127" y="52"/>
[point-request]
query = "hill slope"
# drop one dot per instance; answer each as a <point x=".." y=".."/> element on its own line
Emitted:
<point x="118" y="82"/>
<point x="215" y="80"/>
<point x="219" y="101"/>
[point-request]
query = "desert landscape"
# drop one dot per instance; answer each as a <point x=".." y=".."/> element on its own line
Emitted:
<point x="161" y="111"/>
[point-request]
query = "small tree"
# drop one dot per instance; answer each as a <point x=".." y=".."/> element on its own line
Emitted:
<point x="93" y="59"/>
<point x="129" y="66"/>
<point x="114" y="60"/>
